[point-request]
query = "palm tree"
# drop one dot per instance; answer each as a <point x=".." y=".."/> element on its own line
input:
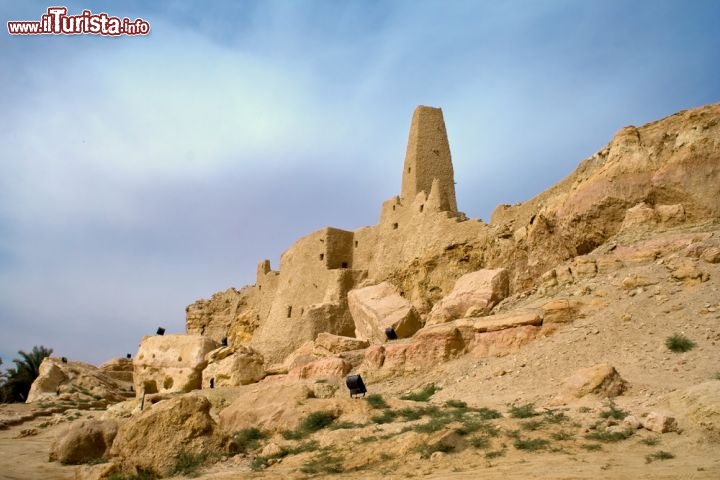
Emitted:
<point x="21" y="377"/>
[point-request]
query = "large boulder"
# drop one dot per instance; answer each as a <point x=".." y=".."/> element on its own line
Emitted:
<point x="74" y="381"/>
<point x="378" y="307"/>
<point x="171" y="363"/>
<point x="152" y="441"/>
<point x="230" y="367"/>
<point x="267" y="406"/>
<point x="83" y="441"/>
<point x="475" y="293"/>
<point x="601" y="380"/>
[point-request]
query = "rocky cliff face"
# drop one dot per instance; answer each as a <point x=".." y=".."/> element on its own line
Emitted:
<point x="671" y="166"/>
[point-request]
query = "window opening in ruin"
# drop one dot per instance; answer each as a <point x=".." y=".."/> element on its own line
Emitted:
<point x="393" y="207"/>
<point x="322" y="256"/>
<point x="409" y="168"/>
<point x="344" y="265"/>
<point x="290" y="311"/>
<point x="422" y="207"/>
<point x="356" y="243"/>
<point x="395" y="226"/>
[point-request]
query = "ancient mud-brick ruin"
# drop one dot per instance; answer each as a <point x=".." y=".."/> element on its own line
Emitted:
<point x="308" y="294"/>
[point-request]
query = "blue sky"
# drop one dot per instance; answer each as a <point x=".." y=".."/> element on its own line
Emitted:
<point x="138" y="174"/>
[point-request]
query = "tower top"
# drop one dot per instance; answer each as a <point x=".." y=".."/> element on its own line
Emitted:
<point x="427" y="159"/>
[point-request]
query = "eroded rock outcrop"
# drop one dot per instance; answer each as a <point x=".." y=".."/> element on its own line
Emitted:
<point x="171" y="363"/>
<point x="74" y="381"/>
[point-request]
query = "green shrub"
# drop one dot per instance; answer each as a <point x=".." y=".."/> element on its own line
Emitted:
<point x="531" y="425"/>
<point x="609" y="437"/>
<point x="679" y="343"/>
<point x="455" y="404"/>
<point x="324" y="463"/>
<point x="561" y="435"/>
<point x="523" y="411"/>
<point x="531" y="444"/>
<point x="650" y="441"/>
<point x="480" y="441"/>
<point x="552" y="417"/>
<point x="248" y="439"/>
<point x="345" y="425"/>
<point x="495" y="454"/>
<point x="659" y="455"/>
<point x="311" y="424"/>
<point x="613" y="412"/>
<point x="376" y="401"/>
<point x="388" y="416"/>
<point x="422" y="395"/>
<point x="487" y="413"/>
<point x="426" y="450"/>
<point x="410" y="414"/>
<point x="317" y="421"/>
<point x="188" y="463"/>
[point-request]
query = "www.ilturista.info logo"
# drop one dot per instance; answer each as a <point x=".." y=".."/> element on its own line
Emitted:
<point x="57" y="22"/>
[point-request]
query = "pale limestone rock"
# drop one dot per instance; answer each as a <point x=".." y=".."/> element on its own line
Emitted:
<point x="324" y="368"/>
<point x="152" y="440"/>
<point x="232" y="366"/>
<point x="273" y="406"/>
<point x="699" y="407"/>
<point x="482" y="290"/>
<point x="74" y="381"/>
<point x="502" y="342"/>
<point x="711" y="255"/>
<point x="670" y="214"/>
<point x="641" y="216"/>
<point x="601" y="380"/>
<point x="83" y="441"/>
<point x="631" y="422"/>
<point x="171" y="363"/>
<point x="584" y="267"/>
<point x="560" y="310"/>
<point x="634" y="281"/>
<point x="120" y="369"/>
<point x="660" y="422"/>
<point x="327" y="342"/>
<point x="271" y="450"/>
<point x="502" y="321"/>
<point x="378" y="307"/>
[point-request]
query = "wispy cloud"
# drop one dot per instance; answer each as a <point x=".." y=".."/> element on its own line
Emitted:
<point x="138" y="174"/>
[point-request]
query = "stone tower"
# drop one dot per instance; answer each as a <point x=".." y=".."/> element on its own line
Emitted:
<point x="427" y="159"/>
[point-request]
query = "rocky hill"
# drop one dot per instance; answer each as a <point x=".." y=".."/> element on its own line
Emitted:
<point x="574" y="336"/>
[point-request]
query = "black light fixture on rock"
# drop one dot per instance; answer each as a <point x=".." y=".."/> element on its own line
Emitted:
<point x="390" y="333"/>
<point x="161" y="331"/>
<point x="355" y="385"/>
<point x="63" y="359"/>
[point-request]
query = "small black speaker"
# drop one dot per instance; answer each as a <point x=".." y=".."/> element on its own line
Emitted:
<point x="390" y="333"/>
<point x="355" y="385"/>
<point x="128" y="356"/>
<point x="63" y="359"/>
<point x="161" y="331"/>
